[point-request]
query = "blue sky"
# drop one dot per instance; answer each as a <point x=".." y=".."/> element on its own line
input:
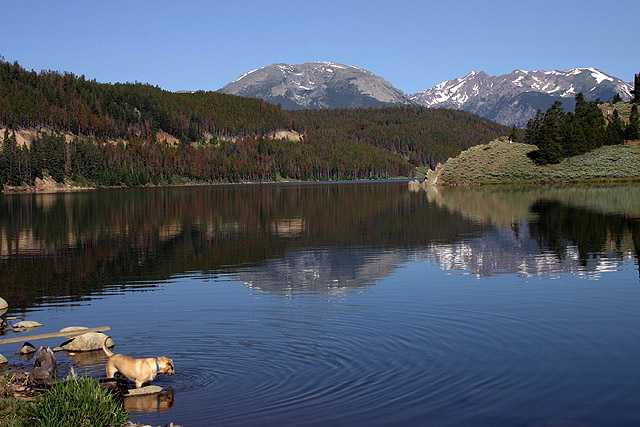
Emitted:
<point x="412" y="44"/>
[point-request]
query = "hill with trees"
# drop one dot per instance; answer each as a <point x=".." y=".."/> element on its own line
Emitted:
<point x="132" y="134"/>
<point x="560" y="135"/>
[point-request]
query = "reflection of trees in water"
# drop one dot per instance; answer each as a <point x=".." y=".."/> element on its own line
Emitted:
<point x="559" y="226"/>
<point x="542" y="230"/>
<point x="65" y="247"/>
<point x="75" y="244"/>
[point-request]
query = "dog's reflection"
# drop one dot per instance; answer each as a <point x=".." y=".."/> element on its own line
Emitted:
<point x="87" y="358"/>
<point x="150" y="403"/>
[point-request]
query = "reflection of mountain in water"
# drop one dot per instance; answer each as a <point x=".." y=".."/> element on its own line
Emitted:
<point x="322" y="270"/>
<point x="65" y="247"/>
<point x="513" y="251"/>
<point x="543" y="230"/>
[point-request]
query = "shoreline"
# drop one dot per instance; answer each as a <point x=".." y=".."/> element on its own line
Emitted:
<point x="68" y="188"/>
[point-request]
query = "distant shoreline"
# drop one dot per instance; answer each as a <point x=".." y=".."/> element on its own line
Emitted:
<point x="70" y="188"/>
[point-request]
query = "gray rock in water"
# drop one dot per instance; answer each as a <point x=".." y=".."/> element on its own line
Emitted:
<point x="73" y="329"/>
<point x="3" y="359"/>
<point x="3" y="304"/>
<point x="86" y="342"/>
<point x="27" y="348"/>
<point x="26" y="324"/>
<point x="45" y="368"/>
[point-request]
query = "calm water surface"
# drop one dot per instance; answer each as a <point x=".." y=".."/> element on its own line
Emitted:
<point x="351" y="303"/>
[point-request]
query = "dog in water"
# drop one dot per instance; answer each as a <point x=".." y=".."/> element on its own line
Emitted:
<point x="139" y="371"/>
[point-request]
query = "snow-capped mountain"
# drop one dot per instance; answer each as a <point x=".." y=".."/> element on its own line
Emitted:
<point x="514" y="98"/>
<point x="316" y="85"/>
<point x="509" y="99"/>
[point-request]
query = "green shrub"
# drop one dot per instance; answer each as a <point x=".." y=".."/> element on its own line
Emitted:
<point x="82" y="402"/>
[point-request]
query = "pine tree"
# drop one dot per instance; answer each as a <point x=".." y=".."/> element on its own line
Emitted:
<point x="615" y="130"/>
<point x="632" y="131"/>
<point x="636" y="89"/>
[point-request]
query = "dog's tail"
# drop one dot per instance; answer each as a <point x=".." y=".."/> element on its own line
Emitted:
<point x="104" y="347"/>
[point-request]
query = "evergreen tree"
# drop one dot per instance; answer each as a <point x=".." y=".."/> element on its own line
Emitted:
<point x="636" y="89"/>
<point x="558" y="134"/>
<point x="632" y="132"/>
<point x="513" y="134"/>
<point x="615" y="130"/>
<point x="616" y="98"/>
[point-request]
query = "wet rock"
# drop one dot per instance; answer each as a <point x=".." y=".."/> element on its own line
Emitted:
<point x="45" y="368"/>
<point x="86" y="342"/>
<point x="3" y="359"/>
<point x="27" y="348"/>
<point x="149" y="389"/>
<point x="26" y="324"/>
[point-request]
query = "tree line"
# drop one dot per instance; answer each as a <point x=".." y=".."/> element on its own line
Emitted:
<point x="559" y="134"/>
<point x="113" y="135"/>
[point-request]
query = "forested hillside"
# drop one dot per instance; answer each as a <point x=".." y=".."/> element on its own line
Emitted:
<point x="109" y="134"/>
<point x="423" y="136"/>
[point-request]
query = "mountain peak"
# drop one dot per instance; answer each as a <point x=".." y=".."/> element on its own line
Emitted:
<point x="316" y="85"/>
<point x="512" y="99"/>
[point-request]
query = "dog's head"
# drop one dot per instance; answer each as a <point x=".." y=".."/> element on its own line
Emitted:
<point x="166" y="365"/>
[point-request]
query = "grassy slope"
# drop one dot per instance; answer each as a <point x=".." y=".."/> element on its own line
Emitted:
<point x="501" y="162"/>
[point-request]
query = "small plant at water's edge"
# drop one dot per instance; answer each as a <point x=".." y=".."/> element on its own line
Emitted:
<point x="81" y="402"/>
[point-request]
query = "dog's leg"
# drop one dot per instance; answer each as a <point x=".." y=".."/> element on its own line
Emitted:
<point x="111" y="369"/>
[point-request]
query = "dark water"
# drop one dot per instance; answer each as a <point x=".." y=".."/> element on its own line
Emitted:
<point x="349" y="304"/>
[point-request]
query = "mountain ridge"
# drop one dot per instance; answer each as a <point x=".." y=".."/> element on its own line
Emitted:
<point x="508" y="99"/>
<point x="512" y="99"/>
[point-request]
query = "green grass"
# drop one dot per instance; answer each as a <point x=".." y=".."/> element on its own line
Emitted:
<point x="500" y="162"/>
<point x="73" y="403"/>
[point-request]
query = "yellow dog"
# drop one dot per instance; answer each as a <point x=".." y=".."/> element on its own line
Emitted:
<point x="139" y="371"/>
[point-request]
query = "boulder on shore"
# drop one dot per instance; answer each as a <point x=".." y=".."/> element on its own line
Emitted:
<point x="86" y="342"/>
<point x="3" y="359"/>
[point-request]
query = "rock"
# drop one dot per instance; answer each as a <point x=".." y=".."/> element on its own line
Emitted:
<point x="26" y="324"/>
<point x="3" y="359"/>
<point x="414" y="185"/>
<point x="432" y="178"/>
<point x="45" y="368"/>
<point x="57" y="349"/>
<point x="73" y="329"/>
<point x="149" y="389"/>
<point x="86" y="342"/>
<point x="27" y="348"/>
<point x="3" y="304"/>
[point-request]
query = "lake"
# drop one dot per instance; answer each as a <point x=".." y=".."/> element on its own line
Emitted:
<point x="343" y="303"/>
